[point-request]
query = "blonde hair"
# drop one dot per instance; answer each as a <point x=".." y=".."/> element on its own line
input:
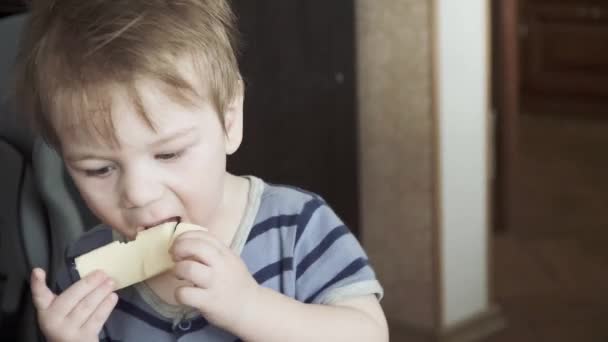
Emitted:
<point x="73" y="51"/>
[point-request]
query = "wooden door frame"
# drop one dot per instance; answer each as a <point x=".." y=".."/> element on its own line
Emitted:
<point x="506" y="101"/>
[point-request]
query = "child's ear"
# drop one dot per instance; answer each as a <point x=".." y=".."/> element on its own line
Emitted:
<point x="233" y="121"/>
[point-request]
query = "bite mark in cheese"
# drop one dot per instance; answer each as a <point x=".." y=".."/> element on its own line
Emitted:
<point x="128" y="263"/>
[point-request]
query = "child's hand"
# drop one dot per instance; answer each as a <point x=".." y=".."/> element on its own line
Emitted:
<point x="222" y="286"/>
<point x="77" y="314"/>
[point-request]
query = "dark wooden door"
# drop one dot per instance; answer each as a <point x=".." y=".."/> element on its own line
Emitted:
<point x="565" y="55"/>
<point x="506" y="101"/>
<point x="300" y="105"/>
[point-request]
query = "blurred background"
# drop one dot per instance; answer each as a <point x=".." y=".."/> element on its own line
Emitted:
<point x="550" y="256"/>
<point x="461" y="141"/>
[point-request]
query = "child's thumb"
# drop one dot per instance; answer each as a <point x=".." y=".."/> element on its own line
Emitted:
<point x="41" y="294"/>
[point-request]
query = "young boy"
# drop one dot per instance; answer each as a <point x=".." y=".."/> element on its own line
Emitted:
<point x="143" y="100"/>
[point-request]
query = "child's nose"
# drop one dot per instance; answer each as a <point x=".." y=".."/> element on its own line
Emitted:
<point x="140" y="189"/>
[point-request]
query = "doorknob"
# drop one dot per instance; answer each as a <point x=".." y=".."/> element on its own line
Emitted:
<point x="523" y="30"/>
<point x="582" y="12"/>
<point x="339" y="77"/>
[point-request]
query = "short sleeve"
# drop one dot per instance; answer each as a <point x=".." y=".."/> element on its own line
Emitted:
<point x="67" y="274"/>
<point x="329" y="262"/>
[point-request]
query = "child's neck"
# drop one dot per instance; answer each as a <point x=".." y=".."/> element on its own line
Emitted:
<point x="231" y="211"/>
<point x="224" y="227"/>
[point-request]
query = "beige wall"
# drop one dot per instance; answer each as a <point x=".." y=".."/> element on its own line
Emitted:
<point x="397" y="154"/>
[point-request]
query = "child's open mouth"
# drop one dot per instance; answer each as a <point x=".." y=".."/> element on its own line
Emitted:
<point x="175" y="219"/>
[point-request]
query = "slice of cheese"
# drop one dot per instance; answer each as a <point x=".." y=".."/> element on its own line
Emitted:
<point x="128" y="263"/>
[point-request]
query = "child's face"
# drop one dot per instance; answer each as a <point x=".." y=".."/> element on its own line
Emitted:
<point x="151" y="177"/>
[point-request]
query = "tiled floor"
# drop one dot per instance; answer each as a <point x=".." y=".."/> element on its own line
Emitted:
<point x="551" y="268"/>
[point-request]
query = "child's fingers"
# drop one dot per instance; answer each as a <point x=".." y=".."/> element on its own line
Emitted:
<point x="64" y="303"/>
<point x="202" y="235"/>
<point x="194" y="272"/>
<point x="98" y="318"/>
<point x="196" y="249"/>
<point x="192" y="296"/>
<point x="90" y="303"/>
<point x="42" y="296"/>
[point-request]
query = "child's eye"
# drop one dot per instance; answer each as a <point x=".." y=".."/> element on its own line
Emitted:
<point x="101" y="172"/>
<point x="169" y="156"/>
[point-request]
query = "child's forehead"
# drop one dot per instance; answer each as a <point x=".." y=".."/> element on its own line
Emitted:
<point x="99" y="116"/>
<point x="151" y="98"/>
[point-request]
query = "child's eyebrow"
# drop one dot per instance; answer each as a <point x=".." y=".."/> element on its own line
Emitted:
<point x="78" y="157"/>
<point x="164" y="140"/>
<point x="173" y="136"/>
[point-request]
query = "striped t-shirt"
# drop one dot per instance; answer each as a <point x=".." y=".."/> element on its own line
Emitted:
<point x="291" y="242"/>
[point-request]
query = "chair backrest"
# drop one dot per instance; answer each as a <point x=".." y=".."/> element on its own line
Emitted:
<point x="41" y="210"/>
<point x="16" y="182"/>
